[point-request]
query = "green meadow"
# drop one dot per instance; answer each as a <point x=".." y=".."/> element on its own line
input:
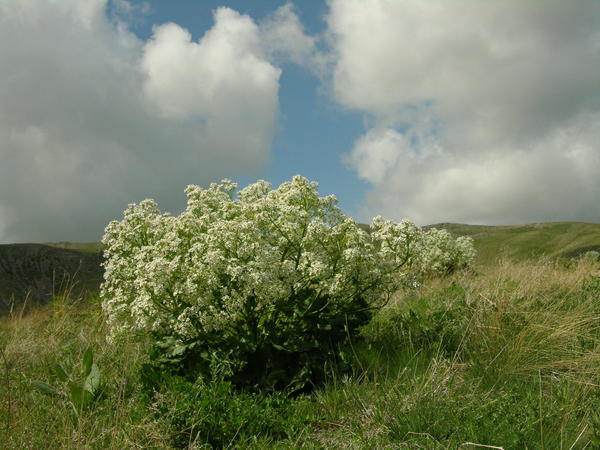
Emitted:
<point x="526" y="242"/>
<point x="505" y="355"/>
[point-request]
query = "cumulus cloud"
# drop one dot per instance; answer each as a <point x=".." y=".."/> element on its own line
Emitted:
<point x="224" y="82"/>
<point x="92" y="118"/>
<point x="377" y="153"/>
<point x="480" y="111"/>
<point x="284" y="38"/>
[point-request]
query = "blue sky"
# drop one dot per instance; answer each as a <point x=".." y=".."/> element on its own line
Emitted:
<point x="435" y="111"/>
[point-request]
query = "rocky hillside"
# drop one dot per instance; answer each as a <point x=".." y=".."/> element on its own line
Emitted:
<point x="36" y="272"/>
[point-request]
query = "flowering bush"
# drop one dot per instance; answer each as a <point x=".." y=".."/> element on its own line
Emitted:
<point x="273" y="281"/>
<point x="439" y="253"/>
<point x="270" y="280"/>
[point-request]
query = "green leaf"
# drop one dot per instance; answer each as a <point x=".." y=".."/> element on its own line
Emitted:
<point x="76" y="396"/>
<point x="79" y="396"/>
<point x="88" y="360"/>
<point x="92" y="382"/>
<point x="178" y="350"/>
<point x="60" y="372"/>
<point x="45" y="388"/>
<point x="74" y="413"/>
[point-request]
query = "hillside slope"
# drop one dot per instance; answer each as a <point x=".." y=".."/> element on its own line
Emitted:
<point x="37" y="272"/>
<point x="521" y="242"/>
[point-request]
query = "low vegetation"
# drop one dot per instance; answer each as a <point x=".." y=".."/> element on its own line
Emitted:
<point x="506" y="355"/>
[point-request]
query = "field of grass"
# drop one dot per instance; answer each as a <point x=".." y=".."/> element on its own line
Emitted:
<point x="523" y="242"/>
<point x="507" y="355"/>
<point x="83" y="247"/>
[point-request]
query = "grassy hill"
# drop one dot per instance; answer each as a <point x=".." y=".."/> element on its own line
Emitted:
<point x="523" y="242"/>
<point x="38" y="272"/>
<point x="82" y="247"/>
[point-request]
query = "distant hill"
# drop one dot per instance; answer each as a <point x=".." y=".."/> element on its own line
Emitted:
<point x="520" y="242"/>
<point x="37" y="272"/>
<point x="83" y="247"/>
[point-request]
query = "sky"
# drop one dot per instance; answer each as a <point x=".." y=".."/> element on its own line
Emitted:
<point x="432" y="110"/>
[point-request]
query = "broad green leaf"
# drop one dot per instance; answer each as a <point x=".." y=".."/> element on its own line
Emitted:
<point x="79" y="396"/>
<point x="45" y="388"/>
<point x="88" y="360"/>
<point x="92" y="382"/>
<point x="61" y="373"/>
<point x="76" y="396"/>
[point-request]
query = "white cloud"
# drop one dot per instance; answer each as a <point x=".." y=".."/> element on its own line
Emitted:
<point x="508" y="185"/>
<point x="91" y="118"/>
<point x="224" y="81"/>
<point x="129" y="12"/>
<point x="284" y="38"/>
<point x="481" y="111"/>
<point x="376" y="154"/>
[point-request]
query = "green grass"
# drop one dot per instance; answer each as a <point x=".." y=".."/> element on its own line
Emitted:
<point x="506" y="356"/>
<point x="83" y="247"/>
<point x="523" y="242"/>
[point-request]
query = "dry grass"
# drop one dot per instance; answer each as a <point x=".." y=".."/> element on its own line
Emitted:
<point x="536" y="317"/>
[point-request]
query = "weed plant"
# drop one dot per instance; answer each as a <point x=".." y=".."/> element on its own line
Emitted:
<point x="505" y="356"/>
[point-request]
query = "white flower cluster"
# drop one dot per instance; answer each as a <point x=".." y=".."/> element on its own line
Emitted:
<point x="200" y="271"/>
<point x="440" y="253"/>
<point x="229" y="256"/>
